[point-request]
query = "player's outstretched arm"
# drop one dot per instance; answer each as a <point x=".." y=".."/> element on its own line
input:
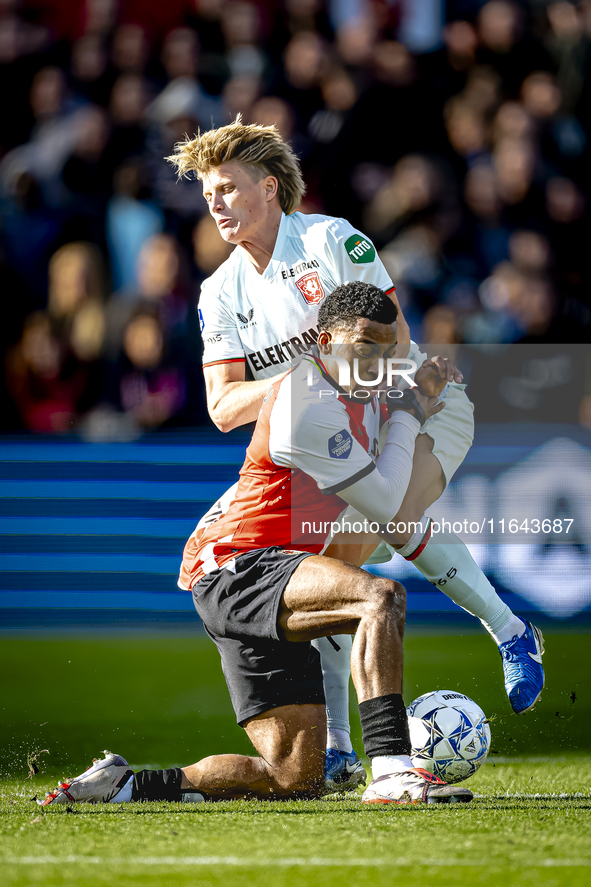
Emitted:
<point x="231" y="401"/>
<point x="379" y="495"/>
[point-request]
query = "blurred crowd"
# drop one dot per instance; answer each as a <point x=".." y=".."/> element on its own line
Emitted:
<point x="455" y="134"/>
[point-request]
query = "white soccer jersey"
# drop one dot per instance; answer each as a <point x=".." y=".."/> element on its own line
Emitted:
<point x="268" y="319"/>
<point x="305" y="450"/>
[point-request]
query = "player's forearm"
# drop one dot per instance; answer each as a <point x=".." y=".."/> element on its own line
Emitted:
<point x="379" y="495"/>
<point x="236" y="403"/>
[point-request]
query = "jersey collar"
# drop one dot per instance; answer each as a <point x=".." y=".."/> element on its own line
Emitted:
<point x="313" y="356"/>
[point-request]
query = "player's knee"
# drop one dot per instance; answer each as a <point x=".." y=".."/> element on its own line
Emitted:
<point x="308" y="786"/>
<point x="304" y="781"/>
<point x="388" y="597"/>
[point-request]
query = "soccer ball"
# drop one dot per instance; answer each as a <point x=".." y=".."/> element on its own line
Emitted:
<point x="449" y="734"/>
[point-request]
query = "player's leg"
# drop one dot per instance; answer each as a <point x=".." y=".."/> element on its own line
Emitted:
<point x="327" y="597"/>
<point x="343" y="769"/>
<point x="291" y="604"/>
<point x="296" y="598"/>
<point x="447" y="563"/>
<point x="335" y="657"/>
<point x="445" y="560"/>
<point x="340" y="757"/>
<point x="289" y="739"/>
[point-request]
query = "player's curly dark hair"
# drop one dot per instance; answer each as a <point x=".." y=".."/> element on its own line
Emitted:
<point x="350" y="301"/>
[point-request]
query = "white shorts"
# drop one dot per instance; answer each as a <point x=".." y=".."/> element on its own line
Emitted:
<point x="452" y="430"/>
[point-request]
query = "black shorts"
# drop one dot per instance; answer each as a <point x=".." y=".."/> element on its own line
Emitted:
<point x="239" y="606"/>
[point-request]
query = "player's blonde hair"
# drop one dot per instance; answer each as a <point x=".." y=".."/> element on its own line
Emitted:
<point x="260" y="148"/>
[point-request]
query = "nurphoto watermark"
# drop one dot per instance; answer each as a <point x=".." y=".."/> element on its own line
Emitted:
<point x="389" y="371"/>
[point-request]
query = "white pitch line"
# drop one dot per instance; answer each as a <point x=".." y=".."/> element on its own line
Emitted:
<point x="537" y="796"/>
<point x="286" y="862"/>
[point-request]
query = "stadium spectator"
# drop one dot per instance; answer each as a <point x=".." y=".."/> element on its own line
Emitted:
<point x="127" y="106"/>
<point x="151" y="384"/>
<point x="493" y="107"/>
<point x="90" y="77"/>
<point x="31" y="227"/>
<point x="209" y="250"/>
<point x="132" y="217"/>
<point x="46" y="380"/>
<point x="87" y="176"/>
<point x="568" y="46"/>
<point x="131" y="49"/>
<point x="240" y="95"/>
<point x="241" y="26"/>
<point x="305" y="62"/>
<point x="507" y="45"/>
<point x="76" y="276"/>
<point x="158" y="287"/>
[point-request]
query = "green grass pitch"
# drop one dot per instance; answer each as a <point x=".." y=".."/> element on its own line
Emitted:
<point x="161" y="701"/>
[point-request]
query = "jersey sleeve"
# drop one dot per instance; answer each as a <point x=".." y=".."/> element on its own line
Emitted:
<point x="219" y="331"/>
<point x="316" y="439"/>
<point x="380" y="496"/>
<point x="354" y="257"/>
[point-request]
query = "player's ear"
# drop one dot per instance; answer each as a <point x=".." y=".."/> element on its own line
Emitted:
<point x="271" y="186"/>
<point x="324" y="342"/>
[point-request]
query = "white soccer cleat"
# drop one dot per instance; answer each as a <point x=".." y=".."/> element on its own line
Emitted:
<point x="103" y="780"/>
<point x="416" y="786"/>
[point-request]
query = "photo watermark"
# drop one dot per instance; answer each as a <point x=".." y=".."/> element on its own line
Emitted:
<point x="390" y="371"/>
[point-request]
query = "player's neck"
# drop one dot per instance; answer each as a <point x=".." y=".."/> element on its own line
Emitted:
<point x="259" y="248"/>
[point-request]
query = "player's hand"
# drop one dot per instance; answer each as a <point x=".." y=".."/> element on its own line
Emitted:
<point x="412" y="401"/>
<point x="430" y="405"/>
<point x="433" y="375"/>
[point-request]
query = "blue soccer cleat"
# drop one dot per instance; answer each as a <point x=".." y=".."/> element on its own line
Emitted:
<point x="522" y="665"/>
<point x="343" y="771"/>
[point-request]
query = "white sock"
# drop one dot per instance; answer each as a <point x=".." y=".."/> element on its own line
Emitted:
<point x="336" y="670"/>
<point x="383" y="765"/>
<point x="419" y="538"/>
<point x="124" y="795"/>
<point x="452" y="569"/>
<point x="340" y="739"/>
<point x="515" y="627"/>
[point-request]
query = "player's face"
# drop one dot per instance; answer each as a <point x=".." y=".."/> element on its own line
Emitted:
<point x="369" y="344"/>
<point x="237" y="202"/>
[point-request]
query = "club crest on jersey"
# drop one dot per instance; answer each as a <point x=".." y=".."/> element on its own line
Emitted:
<point x="360" y="250"/>
<point x="310" y="287"/>
<point x="201" y="321"/>
<point x="339" y="445"/>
